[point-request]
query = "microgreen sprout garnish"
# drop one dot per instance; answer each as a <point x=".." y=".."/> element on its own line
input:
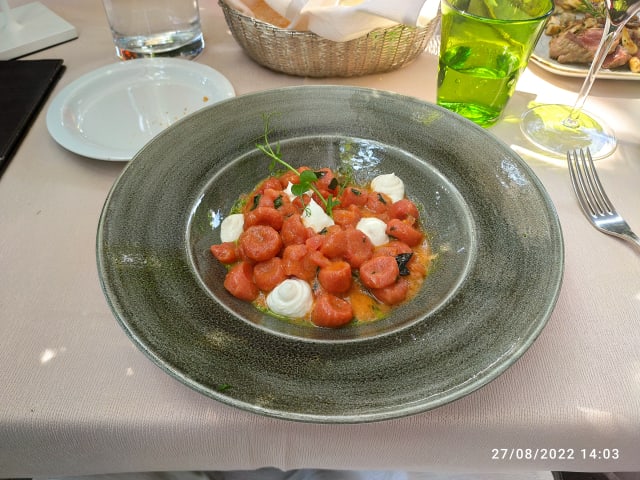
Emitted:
<point x="307" y="177"/>
<point x="595" y="9"/>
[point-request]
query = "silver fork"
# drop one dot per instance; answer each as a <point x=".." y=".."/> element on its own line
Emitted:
<point x="593" y="200"/>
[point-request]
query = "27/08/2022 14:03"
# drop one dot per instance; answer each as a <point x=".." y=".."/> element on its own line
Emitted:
<point x="555" y="454"/>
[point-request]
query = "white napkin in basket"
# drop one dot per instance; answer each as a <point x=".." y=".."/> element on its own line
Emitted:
<point x="343" y="20"/>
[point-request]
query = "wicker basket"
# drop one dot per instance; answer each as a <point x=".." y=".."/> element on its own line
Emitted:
<point x="309" y="55"/>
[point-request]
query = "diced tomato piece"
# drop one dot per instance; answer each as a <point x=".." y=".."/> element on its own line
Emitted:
<point x="293" y="231"/>
<point x="263" y="216"/>
<point x="404" y="232"/>
<point x="260" y="242"/>
<point x="299" y="203"/>
<point x="378" y="203"/>
<point x="328" y="181"/>
<point x="358" y="247"/>
<point x="334" y="242"/>
<point x="226" y="252"/>
<point x="268" y="274"/>
<point x="253" y="200"/>
<point x="404" y="209"/>
<point x="393" y="294"/>
<point x="239" y="282"/>
<point x="270" y="183"/>
<point x="318" y="258"/>
<point x="335" y="277"/>
<point x="353" y="196"/>
<point x="289" y="177"/>
<point x="289" y="208"/>
<point x="393" y="248"/>
<point x="273" y="198"/>
<point x="347" y="216"/>
<point x="297" y="263"/>
<point x="325" y="194"/>
<point x="331" y="311"/>
<point x="379" y="272"/>
<point x="315" y="241"/>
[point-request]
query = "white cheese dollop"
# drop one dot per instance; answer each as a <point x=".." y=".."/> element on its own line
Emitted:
<point x="291" y="298"/>
<point x="288" y="191"/>
<point x="231" y="227"/>
<point x="375" y="229"/>
<point x="390" y="185"/>
<point x="315" y="217"/>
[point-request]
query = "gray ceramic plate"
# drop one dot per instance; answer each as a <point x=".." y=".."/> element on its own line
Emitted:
<point x="491" y="290"/>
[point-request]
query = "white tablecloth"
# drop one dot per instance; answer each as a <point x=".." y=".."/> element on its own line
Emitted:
<point x="77" y="397"/>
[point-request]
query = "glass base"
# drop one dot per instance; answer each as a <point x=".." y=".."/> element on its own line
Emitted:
<point x="478" y="114"/>
<point x="187" y="44"/>
<point x="546" y="127"/>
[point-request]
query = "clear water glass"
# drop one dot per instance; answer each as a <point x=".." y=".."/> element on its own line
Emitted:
<point x="151" y="28"/>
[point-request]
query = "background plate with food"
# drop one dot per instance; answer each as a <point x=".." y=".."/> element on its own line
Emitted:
<point x="571" y="38"/>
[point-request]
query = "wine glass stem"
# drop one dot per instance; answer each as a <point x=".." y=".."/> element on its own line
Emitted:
<point x="601" y="53"/>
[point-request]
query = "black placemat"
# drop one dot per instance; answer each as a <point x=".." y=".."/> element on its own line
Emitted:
<point x="24" y="85"/>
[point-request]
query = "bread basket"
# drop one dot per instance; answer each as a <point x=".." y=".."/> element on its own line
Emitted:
<point x="309" y="55"/>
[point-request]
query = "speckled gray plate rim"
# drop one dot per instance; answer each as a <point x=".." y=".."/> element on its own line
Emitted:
<point x="492" y="288"/>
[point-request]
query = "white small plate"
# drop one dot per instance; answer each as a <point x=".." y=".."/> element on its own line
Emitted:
<point x="541" y="58"/>
<point x="112" y="112"/>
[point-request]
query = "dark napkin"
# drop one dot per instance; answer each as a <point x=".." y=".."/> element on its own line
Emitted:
<point x="24" y="85"/>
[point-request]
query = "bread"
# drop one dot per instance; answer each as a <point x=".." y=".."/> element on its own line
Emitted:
<point x="265" y="13"/>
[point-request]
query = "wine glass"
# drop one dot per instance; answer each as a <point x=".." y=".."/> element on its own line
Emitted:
<point x="560" y="128"/>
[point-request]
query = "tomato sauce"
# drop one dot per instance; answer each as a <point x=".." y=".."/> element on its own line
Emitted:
<point x="351" y="279"/>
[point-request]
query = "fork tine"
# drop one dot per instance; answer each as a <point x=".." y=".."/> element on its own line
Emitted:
<point x="593" y="181"/>
<point x="577" y="182"/>
<point x="586" y="184"/>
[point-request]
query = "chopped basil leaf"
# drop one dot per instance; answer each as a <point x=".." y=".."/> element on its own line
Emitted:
<point x="402" y="259"/>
